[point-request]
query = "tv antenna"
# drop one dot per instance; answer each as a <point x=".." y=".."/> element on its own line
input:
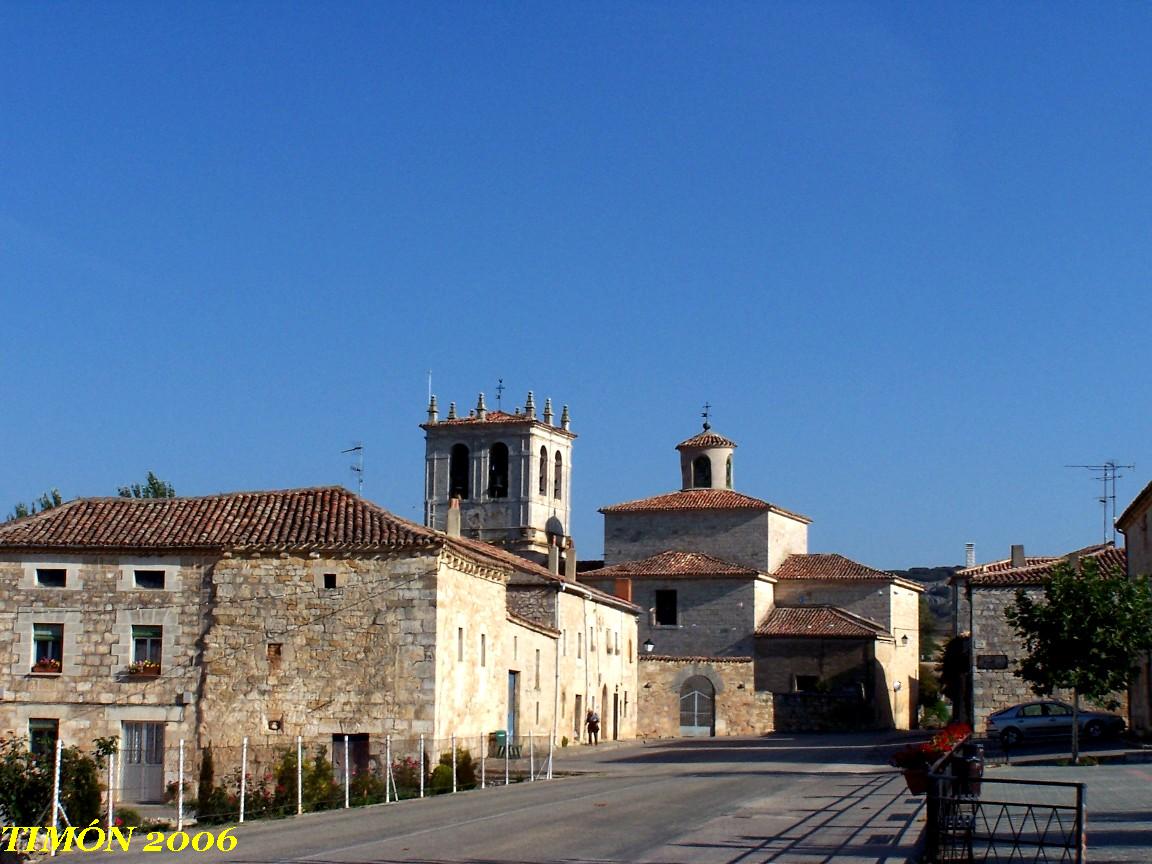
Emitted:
<point x="357" y="467"/>
<point x="1108" y="474"/>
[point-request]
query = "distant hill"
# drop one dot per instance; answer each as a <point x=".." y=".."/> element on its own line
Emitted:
<point x="937" y="593"/>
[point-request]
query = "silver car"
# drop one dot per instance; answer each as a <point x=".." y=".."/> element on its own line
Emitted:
<point x="1049" y="718"/>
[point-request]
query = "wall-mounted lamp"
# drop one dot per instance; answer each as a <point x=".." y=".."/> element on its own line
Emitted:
<point x="649" y="646"/>
<point x="740" y="686"/>
<point x="896" y="687"/>
<point x="648" y="685"/>
<point x="904" y="640"/>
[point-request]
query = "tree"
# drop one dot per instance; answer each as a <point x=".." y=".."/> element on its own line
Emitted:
<point x="1083" y="635"/>
<point x="153" y="487"/>
<point x="47" y="501"/>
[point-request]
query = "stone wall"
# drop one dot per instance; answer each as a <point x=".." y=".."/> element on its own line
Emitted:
<point x="739" y="536"/>
<point x="821" y="712"/>
<point x="868" y="599"/>
<point x="715" y="617"/>
<point x="740" y="710"/>
<point x="1138" y="547"/>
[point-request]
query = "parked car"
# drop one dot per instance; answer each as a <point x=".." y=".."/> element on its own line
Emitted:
<point x="1047" y="718"/>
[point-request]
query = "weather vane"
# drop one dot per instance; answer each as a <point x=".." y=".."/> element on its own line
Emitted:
<point x="499" y="392"/>
<point x="706" y="413"/>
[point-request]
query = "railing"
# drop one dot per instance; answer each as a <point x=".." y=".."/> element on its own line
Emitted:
<point x="975" y="820"/>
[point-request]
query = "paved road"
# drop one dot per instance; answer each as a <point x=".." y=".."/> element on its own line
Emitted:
<point x="722" y="801"/>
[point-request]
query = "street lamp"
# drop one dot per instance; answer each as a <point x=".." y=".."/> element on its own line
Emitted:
<point x="649" y="646"/>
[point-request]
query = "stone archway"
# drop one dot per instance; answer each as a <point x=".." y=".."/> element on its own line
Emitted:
<point x="697" y="708"/>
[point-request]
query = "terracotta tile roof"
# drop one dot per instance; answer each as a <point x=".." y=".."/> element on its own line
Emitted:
<point x="527" y="572"/>
<point x="497" y="418"/>
<point x="706" y="439"/>
<point x="829" y="568"/>
<point x="674" y="564"/>
<point x="1001" y="574"/>
<point x="699" y="499"/>
<point x="326" y="517"/>
<point x="825" y="622"/>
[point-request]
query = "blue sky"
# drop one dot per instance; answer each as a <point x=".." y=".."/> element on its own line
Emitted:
<point x="902" y="249"/>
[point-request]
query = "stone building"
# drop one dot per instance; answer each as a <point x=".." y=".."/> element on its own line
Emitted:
<point x="749" y="632"/>
<point x="986" y="590"/>
<point x="274" y="614"/>
<point x="1136" y="525"/>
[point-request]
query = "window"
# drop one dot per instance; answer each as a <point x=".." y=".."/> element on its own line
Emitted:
<point x="483" y="649"/>
<point x="666" y="608"/>
<point x="806" y="683"/>
<point x="498" y="471"/>
<point x="702" y="472"/>
<point x="564" y="643"/>
<point x="147" y="642"/>
<point x="153" y="580"/>
<point x="47" y="647"/>
<point x="616" y="642"/>
<point x="275" y="653"/>
<point x="51" y="577"/>
<point x="458" y="470"/>
<point x="728" y="473"/>
<point x="515" y="647"/>
<point x="579" y="645"/>
<point x="591" y="639"/>
<point x="537" y="671"/>
<point x="542" y="488"/>
<point x="556" y="484"/>
<point x="991" y="661"/>
<point x="329" y="581"/>
<point x="1036" y="710"/>
<point x="1059" y="710"/>
<point x="42" y="735"/>
<point x="460" y="643"/>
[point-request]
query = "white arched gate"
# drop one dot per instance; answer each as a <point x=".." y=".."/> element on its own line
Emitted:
<point x="697" y="708"/>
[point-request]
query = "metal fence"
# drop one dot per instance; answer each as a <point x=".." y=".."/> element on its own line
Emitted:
<point x="1001" y="820"/>
<point x="261" y="778"/>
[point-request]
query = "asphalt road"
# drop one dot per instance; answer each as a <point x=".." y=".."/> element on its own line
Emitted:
<point x="624" y="804"/>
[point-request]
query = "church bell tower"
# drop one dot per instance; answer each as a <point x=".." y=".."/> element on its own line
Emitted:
<point x="509" y="472"/>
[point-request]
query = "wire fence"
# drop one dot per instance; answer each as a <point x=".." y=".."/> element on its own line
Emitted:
<point x="260" y="779"/>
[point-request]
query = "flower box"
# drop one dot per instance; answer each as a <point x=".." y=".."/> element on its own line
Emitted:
<point x="143" y="669"/>
<point x="46" y="667"/>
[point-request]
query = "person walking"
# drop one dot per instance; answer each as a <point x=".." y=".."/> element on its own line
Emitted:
<point x="592" y="722"/>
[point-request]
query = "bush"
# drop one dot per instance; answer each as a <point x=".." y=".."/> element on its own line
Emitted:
<point x="26" y="784"/>
<point x="126" y="817"/>
<point x="406" y="775"/>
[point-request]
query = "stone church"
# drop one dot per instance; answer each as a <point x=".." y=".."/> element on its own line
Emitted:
<point x="748" y="631"/>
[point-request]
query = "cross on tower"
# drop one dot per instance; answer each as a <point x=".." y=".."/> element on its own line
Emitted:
<point x="499" y="392"/>
<point x="705" y="414"/>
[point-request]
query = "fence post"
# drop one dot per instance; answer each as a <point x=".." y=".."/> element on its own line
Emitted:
<point x="347" y="775"/>
<point x="932" y="818"/>
<point x="1081" y="823"/>
<point x="551" y="750"/>
<point x="111" y="803"/>
<point x="299" y="775"/>
<point x="531" y="758"/>
<point x="389" y="779"/>
<point x="56" y="788"/>
<point x="483" y="756"/>
<point x="507" y="750"/>
<point x="421" y="765"/>
<point x="453" y="741"/>
<point x="243" y="775"/>
<point x="180" y="791"/>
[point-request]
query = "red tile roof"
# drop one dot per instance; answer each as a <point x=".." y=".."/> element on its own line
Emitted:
<point x="700" y="499"/>
<point x="826" y="567"/>
<point x="825" y="622"/>
<point x="672" y="564"/>
<point x="327" y="517"/>
<point x="498" y="418"/>
<point x="673" y="658"/>
<point x="1001" y="574"/>
<point x="706" y="439"/>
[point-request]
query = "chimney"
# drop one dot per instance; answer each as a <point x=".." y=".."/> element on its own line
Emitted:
<point x="553" y="557"/>
<point x="452" y="523"/>
<point x="969" y="554"/>
<point x="1017" y="555"/>
<point x="570" y="561"/>
<point x="623" y="588"/>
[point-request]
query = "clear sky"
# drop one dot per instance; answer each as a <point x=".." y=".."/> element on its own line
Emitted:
<point x="902" y="249"/>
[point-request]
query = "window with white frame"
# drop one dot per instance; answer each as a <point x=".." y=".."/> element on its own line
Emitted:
<point x="47" y="647"/>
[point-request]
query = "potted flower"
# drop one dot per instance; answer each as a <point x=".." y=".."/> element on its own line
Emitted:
<point x="47" y="666"/>
<point x="143" y="668"/>
<point x="916" y="760"/>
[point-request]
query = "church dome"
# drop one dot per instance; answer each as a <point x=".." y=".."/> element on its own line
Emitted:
<point x="706" y="460"/>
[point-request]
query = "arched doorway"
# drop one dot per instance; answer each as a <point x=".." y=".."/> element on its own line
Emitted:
<point x="697" y="708"/>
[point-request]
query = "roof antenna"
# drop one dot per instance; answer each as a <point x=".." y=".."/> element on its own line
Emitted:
<point x="705" y="414"/>
<point x="357" y="467"/>
<point x="1108" y="474"/>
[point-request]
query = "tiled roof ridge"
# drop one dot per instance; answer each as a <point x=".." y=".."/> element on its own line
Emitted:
<point x="706" y="439"/>
<point x="666" y="562"/>
<point x="994" y="573"/>
<point x="699" y="499"/>
<point x="823" y="620"/>
<point x="845" y="568"/>
<point x="665" y="658"/>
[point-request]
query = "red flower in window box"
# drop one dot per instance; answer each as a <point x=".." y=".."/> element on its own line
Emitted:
<point x="48" y="665"/>
<point x="143" y="668"/>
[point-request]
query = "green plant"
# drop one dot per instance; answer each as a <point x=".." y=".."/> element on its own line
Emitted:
<point x="564" y="741"/>
<point x="441" y="779"/>
<point x="126" y="817"/>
